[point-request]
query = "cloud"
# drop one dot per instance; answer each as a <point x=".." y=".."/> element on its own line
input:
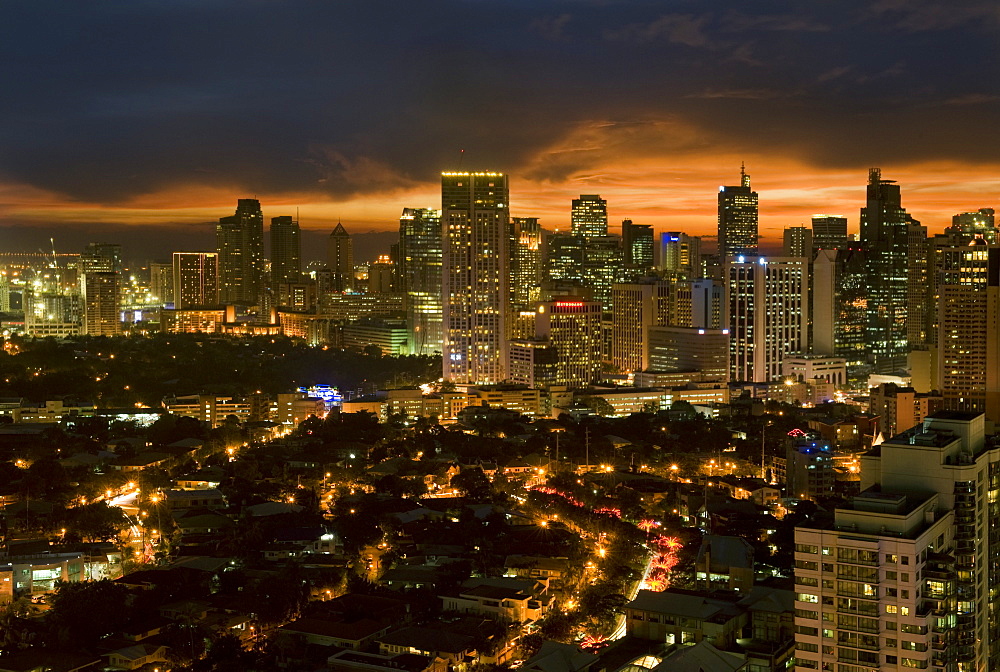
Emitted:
<point x="686" y="29"/>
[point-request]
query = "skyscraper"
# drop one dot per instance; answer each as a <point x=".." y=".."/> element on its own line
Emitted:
<point x="638" y="306"/>
<point x="768" y="314"/>
<point x="286" y="250"/>
<point x="195" y="279"/>
<point x="969" y="225"/>
<point x="240" y="246"/>
<point x="840" y="307"/>
<point x="637" y="245"/>
<point x="797" y="241"/>
<point x="420" y="254"/>
<point x="589" y="216"/>
<point x="829" y="232"/>
<point x="475" y="276"/>
<point x="680" y="254"/>
<point x="885" y="231"/>
<point x="340" y="258"/>
<point x="737" y="219"/>
<point x="101" y="258"/>
<point x="526" y="262"/>
<point x="100" y="293"/>
<point x="573" y="327"/>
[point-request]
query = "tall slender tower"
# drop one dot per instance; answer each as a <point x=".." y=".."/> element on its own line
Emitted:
<point x="286" y="250"/>
<point x="526" y="262"/>
<point x="737" y="219"/>
<point x="240" y="246"/>
<point x="100" y="293"/>
<point x="886" y="233"/>
<point x="340" y="259"/>
<point x="475" y="276"/>
<point x="420" y="276"/>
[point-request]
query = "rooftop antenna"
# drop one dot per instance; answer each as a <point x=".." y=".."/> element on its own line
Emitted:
<point x="461" y="157"/>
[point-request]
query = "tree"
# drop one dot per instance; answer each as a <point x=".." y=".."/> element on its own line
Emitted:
<point x="473" y="483"/>
<point x="97" y="521"/>
<point x="82" y="613"/>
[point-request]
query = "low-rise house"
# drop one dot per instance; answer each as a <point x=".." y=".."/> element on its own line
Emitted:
<point x="355" y="635"/>
<point x="559" y="657"/>
<point x="134" y="657"/>
<point x="433" y="643"/>
<point x="195" y="499"/>
<point x="514" y="599"/>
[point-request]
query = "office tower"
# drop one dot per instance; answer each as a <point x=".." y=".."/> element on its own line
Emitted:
<point x="840" y="307"/>
<point x="420" y="254"/>
<point x="52" y="312"/>
<point x="797" y="241"/>
<point x="564" y="257"/>
<point x="674" y="348"/>
<point x="918" y="296"/>
<point x="905" y="575"/>
<point x="99" y="293"/>
<point x="768" y="314"/>
<point x="708" y="305"/>
<point x="589" y="216"/>
<point x="886" y="235"/>
<point x="637" y="306"/>
<point x="900" y="408"/>
<point x="526" y="262"/>
<point x="603" y="266"/>
<point x="637" y="244"/>
<point x="286" y="250"/>
<point x="240" y="246"/>
<point x="737" y="219"/>
<point x="680" y="254"/>
<point x="101" y="258"/>
<point x="475" y="276"/>
<point x="532" y="362"/>
<point x="382" y="275"/>
<point x="978" y="224"/>
<point x="829" y="232"/>
<point x="161" y="282"/>
<point x="195" y="279"/>
<point x="4" y="294"/>
<point x="573" y="327"/>
<point x="340" y="259"/>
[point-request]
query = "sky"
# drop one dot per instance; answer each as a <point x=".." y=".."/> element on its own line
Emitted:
<point x="142" y="122"/>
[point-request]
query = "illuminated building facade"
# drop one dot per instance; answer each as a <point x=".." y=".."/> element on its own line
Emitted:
<point x="978" y="224"/>
<point x="637" y="306"/>
<point x="797" y="241"/>
<point x="673" y="349"/>
<point x="99" y="293"/>
<point x="526" y="262"/>
<point x="829" y="232"/>
<point x="573" y="327"/>
<point x="340" y="259"/>
<point x="737" y="219"/>
<point x="680" y="254"/>
<point x="768" y="314"/>
<point x="286" y="250"/>
<point x="637" y="246"/>
<point x="420" y="257"/>
<point x="475" y="276"/>
<point x="195" y="279"/>
<point x="905" y="576"/>
<point x="840" y="307"/>
<point x="589" y="216"/>
<point x="240" y="246"/>
<point x="885" y="232"/>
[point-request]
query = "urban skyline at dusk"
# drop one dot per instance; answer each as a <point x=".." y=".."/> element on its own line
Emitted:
<point x="351" y="113"/>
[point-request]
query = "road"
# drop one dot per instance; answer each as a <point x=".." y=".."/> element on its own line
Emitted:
<point x="620" y="630"/>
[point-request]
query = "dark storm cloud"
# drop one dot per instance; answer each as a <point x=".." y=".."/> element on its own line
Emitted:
<point x="107" y="101"/>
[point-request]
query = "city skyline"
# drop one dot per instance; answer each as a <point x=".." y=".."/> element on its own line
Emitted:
<point x="354" y="118"/>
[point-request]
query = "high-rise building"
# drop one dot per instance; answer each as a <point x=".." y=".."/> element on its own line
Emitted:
<point x="603" y="266"/>
<point x="808" y="466"/>
<point x="692" y="349"/>
<point x="737" y="219"/>
<point x="420" y="256"/>
<point x="573" y="327"/>
<point x="637" y="244"/>
<point x="195" y="279"/>
<point x="589" y="216"/>
<point x="918" y="297"/>
<point x="829" y="232"/>
<point x="340" y="259"/>
<point x="101" y="258"/>
<point x="680" y="254"/>
<point x="969" y="225"/>
<point x="99" y="293"/>
<point x="161" y="282"/>
<point x="708" y="305"/>
<point x="768" y="314"/>
<point x="382" y="275"/>
<point x="526" y="262"/>
<point x="797" y="241"/>
<point x="475" y="276"/>
<point x="286" y="250"/>
<point x="840" y="307"/>
<point x="637" y="306"/>
<point x="905" y="575"/>
<point x="240" y="246"/>
<point x="886" y="234"/>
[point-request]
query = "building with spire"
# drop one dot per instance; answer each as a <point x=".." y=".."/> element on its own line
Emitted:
<point x="340" y="259"/>
<point x="737" y="219"/>
<point x="240" y="245"/>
